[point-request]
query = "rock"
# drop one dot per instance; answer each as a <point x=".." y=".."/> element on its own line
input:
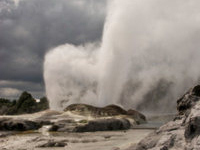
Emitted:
<point x="90" y="126"/>
<point x="104" y="125"/>
<point x="87" y="119"/>
<point x="114" y="110"/>
<point x="196" y="91"/>
<point x="63" y="126"/>
<point x="84" y="109"/>
<point x="148" y="142"/>
<point x="188" y="100"/>
<point x="192" y="128"/>
<point x="108" y="111"/>
<point x="111" y="117"/>
<point x="18" y="125"/>
<point x="137" y="116"/>
<point x="52" y="143"/>
<point x="181" y="133"/>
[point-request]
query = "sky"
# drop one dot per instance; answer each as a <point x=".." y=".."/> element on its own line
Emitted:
<point x="30" y="28"/>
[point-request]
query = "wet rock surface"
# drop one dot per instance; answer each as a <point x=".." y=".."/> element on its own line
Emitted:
<point x="181" y="133"/>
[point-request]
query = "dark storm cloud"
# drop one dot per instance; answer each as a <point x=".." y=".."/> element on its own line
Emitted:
<point x="29" y="29"/>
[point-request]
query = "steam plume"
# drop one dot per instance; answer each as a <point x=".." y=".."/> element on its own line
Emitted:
<point x="149" y="56"/>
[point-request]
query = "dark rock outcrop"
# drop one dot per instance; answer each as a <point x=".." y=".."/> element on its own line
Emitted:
<point x="192" y="128"/>
<point x="7" y="124"/>
<point x="181" y="133"/>
<point x="188" y="100"/>
<point x="63" y="126"/>
<point x="104" y="125"/>
<point x="52" y="143"/>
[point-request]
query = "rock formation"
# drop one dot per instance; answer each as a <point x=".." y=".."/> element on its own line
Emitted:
<point x="108" y="111"/>
<point x="75" y="118"/>
<point x="180" y="134"/>
<point x="8" y="124"/>
<point x="104" y="125"/>
<point x="52" y="143"/>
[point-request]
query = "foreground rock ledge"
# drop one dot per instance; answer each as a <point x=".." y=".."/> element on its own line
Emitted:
<point x="180" y="134"/>
<point x="75" y="118"/>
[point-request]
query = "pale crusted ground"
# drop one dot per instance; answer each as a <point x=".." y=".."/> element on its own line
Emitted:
<point x="106" y="140"/>
<point x="110" y="140"/>
<point x="115" y="140"/>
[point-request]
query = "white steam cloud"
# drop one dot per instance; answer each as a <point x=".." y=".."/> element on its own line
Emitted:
<point x="149" y="56"/>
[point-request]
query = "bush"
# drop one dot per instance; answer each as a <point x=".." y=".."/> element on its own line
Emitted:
<point x="25" y="104"/>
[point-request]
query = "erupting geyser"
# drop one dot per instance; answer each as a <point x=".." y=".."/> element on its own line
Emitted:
<point x="149" y="55"/>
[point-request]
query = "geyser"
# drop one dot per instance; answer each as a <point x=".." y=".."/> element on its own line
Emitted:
<point x="149" y="55"/>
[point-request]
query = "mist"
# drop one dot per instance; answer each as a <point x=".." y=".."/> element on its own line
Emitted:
<point x="147" y="58"/>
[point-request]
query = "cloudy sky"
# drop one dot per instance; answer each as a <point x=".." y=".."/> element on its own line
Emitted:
<point x="29" y="28"/>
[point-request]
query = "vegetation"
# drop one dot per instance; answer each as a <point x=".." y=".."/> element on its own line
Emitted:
<point x="25" y="104"/>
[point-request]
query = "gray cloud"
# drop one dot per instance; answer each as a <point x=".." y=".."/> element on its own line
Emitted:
<point x="30" y="28"/>
<point x="12" y="89"/>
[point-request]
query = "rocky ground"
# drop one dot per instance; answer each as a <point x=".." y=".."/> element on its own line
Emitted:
<point x="180" y="134"/>
<point x="75" y="118"/>
<point x="74" y="128"/>
<point x="79" y="126"/>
